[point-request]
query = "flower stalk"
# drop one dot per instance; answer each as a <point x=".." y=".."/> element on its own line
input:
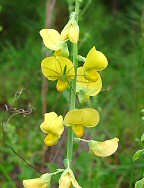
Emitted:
<point x="73" y="91"/>
<point x="85" y="82"/>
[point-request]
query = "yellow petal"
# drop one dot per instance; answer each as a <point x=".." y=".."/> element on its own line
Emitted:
<point x="71" y="31"/>
<point x="95" y="60"/>
<point x="45" y="185"/>
<point x="61" y="85"/>
<point x="73" y="117"/>
<point x="66" y="64"/>
<point x="78" y="130"/>
<point x="51" y="39"/>
<point x="57" y="53"/>
<point x="87" y="117"/>
<point x="32" y="183"/>
<point x="73" y="34"/>
<point x="65" y="32"/>
<point x="51" y="139"/>
<point x="48" y="118"/>
<point x="51" y="68"/>
<point x="65" y="182"/>
<point x="90" y="117"/>
<point x="74" y="182"/>
<point x="104" y="149"/>
<point x="56" y="126"/>
<point x="42" y="182"/>
<point x="90" y="88"/>
<point x="102" y="61"/>
<point x="91" y="75"/>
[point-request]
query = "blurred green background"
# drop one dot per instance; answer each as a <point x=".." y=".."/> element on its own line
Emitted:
<point x="116" y="28"/>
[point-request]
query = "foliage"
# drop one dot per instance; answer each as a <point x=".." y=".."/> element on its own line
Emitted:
<point x="137" y="155"/>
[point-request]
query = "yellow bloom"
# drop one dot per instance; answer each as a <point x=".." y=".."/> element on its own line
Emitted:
<point x="52" y="40"/>
<point x="79" y="118"/>
<point x="103" y="149"/>
<point x="58" y="68"/>
<point x="53" y="125"/>
<point x="33" y="183"/>
<point x="88" y="87"/>
<point x="95" y="61"/>
<point x="68" y="180"/>
<point x="42" y="182"/>
<point x="71" y="31"/>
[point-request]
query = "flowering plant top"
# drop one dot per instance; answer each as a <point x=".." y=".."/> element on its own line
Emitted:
<point x="84" y="82"/>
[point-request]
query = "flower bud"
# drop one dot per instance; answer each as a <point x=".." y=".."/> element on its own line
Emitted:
<point x="68" y="180"/>
<point x="71" y="31"/>
<point x="42" y="182"/>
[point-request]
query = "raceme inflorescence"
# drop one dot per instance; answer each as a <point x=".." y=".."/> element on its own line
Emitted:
<point x="85" y="82"/>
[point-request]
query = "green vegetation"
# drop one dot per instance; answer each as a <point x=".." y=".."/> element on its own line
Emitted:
<point x="117" y="30"/>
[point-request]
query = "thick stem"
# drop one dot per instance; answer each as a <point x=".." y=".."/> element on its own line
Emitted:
<point x="73" y="94"/>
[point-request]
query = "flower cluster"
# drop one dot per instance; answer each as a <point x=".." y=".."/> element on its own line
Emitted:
<point x="88" y="83"/>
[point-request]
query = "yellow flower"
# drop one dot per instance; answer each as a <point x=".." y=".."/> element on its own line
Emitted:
<point x="68" y="180"/>
<point x="89" y="88"/>
<point x="53" y="125"/>
<point x="79" y="118"/>
<point x="58" y="68"/>
<point x="71" y="31"/>
<point x="42" y="182"/>
<point x="95" y="61"/>
<point x="33" y="183"/>
<point x="52" y="40"/>
<point x="104" y="149"/>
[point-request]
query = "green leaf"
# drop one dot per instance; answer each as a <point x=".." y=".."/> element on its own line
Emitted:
<point x="143" y="118"/>
<point x="142" y="110"/>
<point x="142" y="138"/>
<point x="139" y="184"/>
<point x="137" y="155"/>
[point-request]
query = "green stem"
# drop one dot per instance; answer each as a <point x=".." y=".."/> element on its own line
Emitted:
<point x="58" y="171"/>
<point x="73" y="94"/>
<point x="80" y="139"/>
